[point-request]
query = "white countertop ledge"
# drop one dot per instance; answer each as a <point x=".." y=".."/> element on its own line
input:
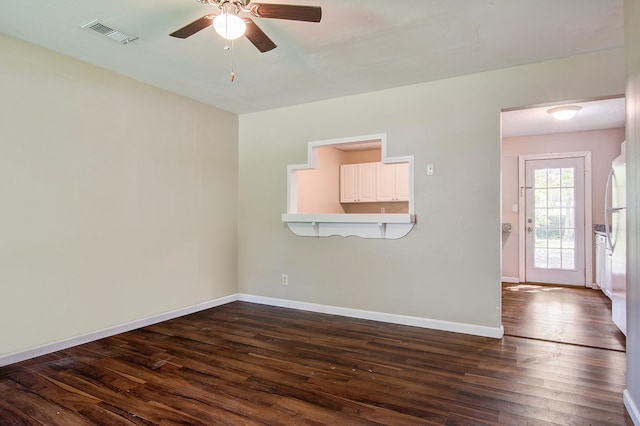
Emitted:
<point x="349" y="218"/>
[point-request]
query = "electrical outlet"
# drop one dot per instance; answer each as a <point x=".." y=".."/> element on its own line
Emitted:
<point x="285" y="279"/>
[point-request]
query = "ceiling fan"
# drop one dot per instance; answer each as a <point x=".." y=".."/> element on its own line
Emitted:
<point x="231" y="26"/>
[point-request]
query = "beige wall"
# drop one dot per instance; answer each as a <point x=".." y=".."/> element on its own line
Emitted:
<point x="118" y="199"/>
<point x="632" y="48"/>
<point x="448" y="267"/>
<point x="604" y="146"/>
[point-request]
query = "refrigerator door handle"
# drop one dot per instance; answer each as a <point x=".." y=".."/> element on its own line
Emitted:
<point x="608" y="209"/>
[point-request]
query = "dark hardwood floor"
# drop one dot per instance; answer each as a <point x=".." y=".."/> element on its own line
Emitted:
<point x="249" y="364"/>
<point x="575" y="315"/>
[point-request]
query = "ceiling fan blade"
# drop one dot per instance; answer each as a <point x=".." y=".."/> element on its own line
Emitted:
<point x="286" y="11"/>
<point x="194" y="27"/>
<point x="258" y="37"/>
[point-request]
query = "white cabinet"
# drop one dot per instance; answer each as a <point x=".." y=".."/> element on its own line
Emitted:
<point x="393" y="182"/>
<point x="374" y="182"/>
<point x="358" y="183"/>
<point x="603" y="264"/>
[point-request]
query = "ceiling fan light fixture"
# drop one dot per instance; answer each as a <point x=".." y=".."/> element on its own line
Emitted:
<point x="564" y="112"/>
<point x="229" y="26"/>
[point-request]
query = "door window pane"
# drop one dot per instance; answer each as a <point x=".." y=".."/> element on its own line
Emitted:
<point x="541" y="218"/>
<point x="540" y="258"/>
<point x="554" y="197"/>
<point x="541" y="237"/>
<point x="554" y="225"/>
<point x="553" y="178"/>
<point x="567" y="178"/>
<point x="540" y="197"/>
<point x="554" y="259"/>
<point x="540" y="178"/>
<point x="554" y="218"/>
<point x="567" y="197"/>
<point x="553" y="237"/>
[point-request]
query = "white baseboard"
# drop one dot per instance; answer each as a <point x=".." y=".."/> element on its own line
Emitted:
<point x="477" y="330"/>
<point x="632" y="407"/>
<point x="14" y="357"/>
<point x="511" y="280"/>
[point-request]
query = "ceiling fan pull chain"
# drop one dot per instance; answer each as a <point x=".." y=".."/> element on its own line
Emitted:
<point x="232" y="76"/>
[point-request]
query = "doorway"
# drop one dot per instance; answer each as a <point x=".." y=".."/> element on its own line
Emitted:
<point x="553" y="201"/>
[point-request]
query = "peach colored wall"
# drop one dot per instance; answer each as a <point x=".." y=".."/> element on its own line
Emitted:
<point x="319" y="189"/>
<point x="354" y="157"/>
<point x="604" y="146"/>
<point x="401" y="207"/>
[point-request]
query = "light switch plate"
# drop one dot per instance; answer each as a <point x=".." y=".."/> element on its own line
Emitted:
<point x="430" y="169"/>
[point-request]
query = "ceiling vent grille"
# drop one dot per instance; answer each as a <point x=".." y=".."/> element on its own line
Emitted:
<point x="106" y="30"/>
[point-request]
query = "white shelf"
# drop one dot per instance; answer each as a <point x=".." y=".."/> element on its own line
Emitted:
<point x="384" y="226"/>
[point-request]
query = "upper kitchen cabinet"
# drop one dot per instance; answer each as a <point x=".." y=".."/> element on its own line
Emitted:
<point x="393" y="182"/>
<point x="374" y="182"/>
<point x="358" y="183"/>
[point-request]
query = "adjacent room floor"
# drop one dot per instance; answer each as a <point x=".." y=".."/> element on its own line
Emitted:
<point x="576" y="315"/>
<point x="249" y="364"/>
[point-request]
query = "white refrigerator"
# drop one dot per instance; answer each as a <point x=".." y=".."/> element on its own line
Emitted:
<point x="616" y="223"/>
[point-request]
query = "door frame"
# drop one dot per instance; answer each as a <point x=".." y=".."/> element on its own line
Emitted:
<point x="588" y="211"/>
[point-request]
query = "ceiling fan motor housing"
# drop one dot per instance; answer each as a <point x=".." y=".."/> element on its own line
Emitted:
<point x="239" y="3"/>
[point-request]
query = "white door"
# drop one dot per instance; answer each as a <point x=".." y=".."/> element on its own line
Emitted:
<point x="554" y="221"/>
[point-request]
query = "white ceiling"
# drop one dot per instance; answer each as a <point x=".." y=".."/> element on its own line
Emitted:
<point x="360" y="45"/>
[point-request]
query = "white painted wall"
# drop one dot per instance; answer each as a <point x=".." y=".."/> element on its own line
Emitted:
<point x="632" y="49"/>
<point x="118" y="200"/>
<point x="604" y="146"/>
<point x="448" y="267"/>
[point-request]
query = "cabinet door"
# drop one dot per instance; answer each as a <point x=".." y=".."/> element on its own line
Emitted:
<point x="348" y="183"/>
<point x="393" y="182"/>
<point x="386" y="182"/>
<point x="366" y="182"/>
<point x="402" y="181"/>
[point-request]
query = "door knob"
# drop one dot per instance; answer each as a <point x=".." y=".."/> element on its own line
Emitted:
<point x="529" y="229"/>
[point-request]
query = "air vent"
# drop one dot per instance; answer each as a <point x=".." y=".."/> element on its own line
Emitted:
<point x="106" y="30"/>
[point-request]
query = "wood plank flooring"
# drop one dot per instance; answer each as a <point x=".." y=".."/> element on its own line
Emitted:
<point x="249" y="364"/>
<point x="575" y="315"/>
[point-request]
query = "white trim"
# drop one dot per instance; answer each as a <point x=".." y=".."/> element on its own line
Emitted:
<point x="477" y="330"/>
<point x="14" y="357"/>
<point x="511" y="280"/>
<point x="521" y="220"/>
<point x="386" y="226"/>
<point x="350" y="218"/>
<point x="588" y="210"/>
<point x="632" y="407"/>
